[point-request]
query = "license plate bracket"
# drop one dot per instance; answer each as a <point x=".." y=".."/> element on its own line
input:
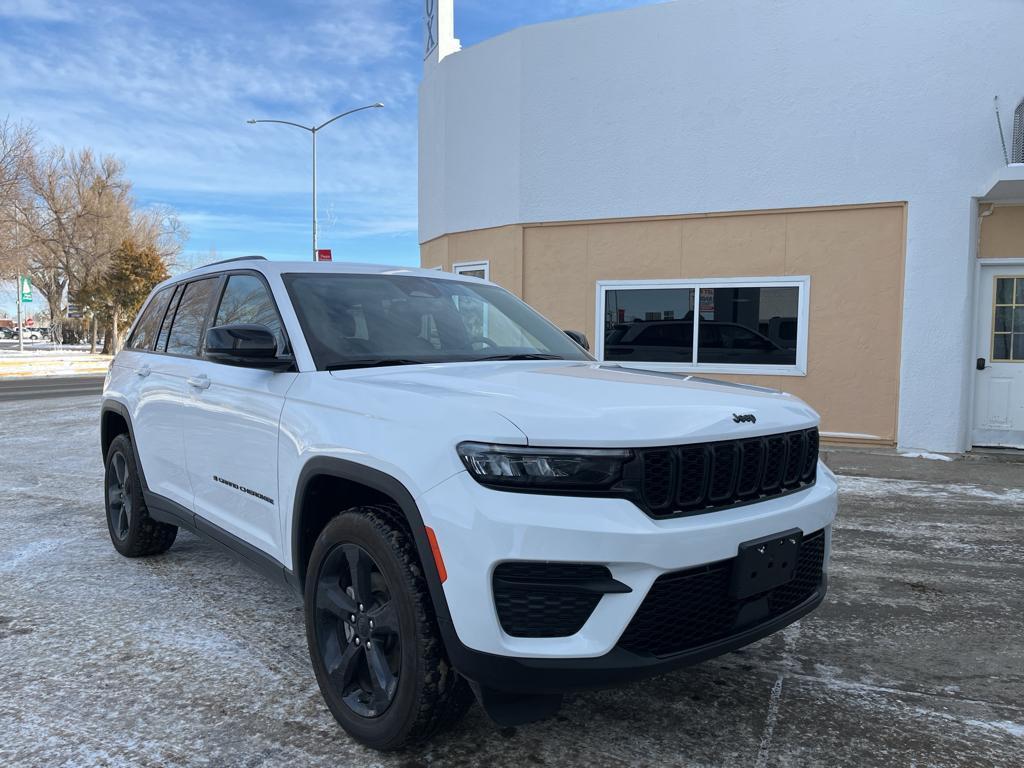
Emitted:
<point x="765" y="563"/>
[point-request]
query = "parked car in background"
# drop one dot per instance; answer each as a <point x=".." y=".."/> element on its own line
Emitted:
<point x="469" y="503"/>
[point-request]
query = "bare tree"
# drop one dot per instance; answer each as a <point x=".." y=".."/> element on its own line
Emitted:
<point x="79" y="213"/>
<point x="159" y="228"/>
<point x="16" y="143"/>
<point x="64" y="216"/>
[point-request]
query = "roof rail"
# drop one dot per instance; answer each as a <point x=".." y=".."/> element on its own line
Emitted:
<point x="237" y="258"/>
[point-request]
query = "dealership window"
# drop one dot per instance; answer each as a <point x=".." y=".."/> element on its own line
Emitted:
<point x="481" y="269"/>
<point x="473" y="311"/>
<point x="739" y="325"/>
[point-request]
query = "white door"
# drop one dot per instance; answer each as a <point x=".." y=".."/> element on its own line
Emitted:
<point x="999" y="389"/>
<point x="159" y="387"/>
<point x="231" y="427"/>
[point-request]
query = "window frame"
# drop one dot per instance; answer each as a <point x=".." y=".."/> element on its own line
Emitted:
<point x="801" y="282"/>
<point x="219" y="280"/>
<point x="142" y="312"/>
<point x="992" y="323"/>
<point x="462" y="267"/>
<point x="286" y="349"/>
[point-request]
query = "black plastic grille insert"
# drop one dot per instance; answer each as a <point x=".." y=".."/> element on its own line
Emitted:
<point x="687" y="609"/>
<point x="540" y="599"/>
<point x="691" y="479"/>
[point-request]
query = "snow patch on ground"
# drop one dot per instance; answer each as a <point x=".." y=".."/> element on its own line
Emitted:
<point x="28" y="552"/>
<point x="885" y="488"/>
<point x="924" y="455"/>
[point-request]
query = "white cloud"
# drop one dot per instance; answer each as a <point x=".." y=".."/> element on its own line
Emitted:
<point x="38" y="10"/>
<point x="168" y="88"/>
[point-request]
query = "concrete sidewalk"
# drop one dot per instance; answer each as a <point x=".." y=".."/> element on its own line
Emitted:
<point x="40" y="362"/>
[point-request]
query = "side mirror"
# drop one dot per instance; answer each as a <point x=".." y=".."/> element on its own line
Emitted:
<point x="580" y="338"/>
<point x="245" y="344"/>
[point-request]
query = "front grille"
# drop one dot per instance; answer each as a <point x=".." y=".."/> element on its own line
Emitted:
<point x="537" y="599"/>
<point x="687" y="609"/>
<point x="691" y="479"/>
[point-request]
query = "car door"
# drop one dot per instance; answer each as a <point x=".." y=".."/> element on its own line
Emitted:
<point x="151" y="396"/>
<point x="162" y="396"/>
<point x="231" y="426"/>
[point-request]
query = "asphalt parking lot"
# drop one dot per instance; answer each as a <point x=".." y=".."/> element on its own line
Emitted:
<point x="190" y="659"/>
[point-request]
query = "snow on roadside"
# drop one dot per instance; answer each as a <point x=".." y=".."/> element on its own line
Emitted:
<point x="908" y="454"/>
<point x="878" y="487"/>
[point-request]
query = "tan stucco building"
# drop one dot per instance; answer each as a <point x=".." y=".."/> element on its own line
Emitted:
<point x="861" y="252"/>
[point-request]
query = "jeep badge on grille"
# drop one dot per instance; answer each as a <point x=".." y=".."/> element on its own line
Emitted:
<point x="739" y="418"/>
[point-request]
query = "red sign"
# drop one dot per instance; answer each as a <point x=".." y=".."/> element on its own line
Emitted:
<point x="323" y="254"/>
<point x="29" y="321"/>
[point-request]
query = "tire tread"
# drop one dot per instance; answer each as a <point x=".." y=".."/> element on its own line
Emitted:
<point x="444" y="695"/>
<point x="149" y="537"/>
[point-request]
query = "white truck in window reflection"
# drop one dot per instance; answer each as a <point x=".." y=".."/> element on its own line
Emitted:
<point x="672" y="341"/>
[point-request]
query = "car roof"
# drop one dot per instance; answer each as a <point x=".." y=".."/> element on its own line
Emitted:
<point x="267" y="267"/>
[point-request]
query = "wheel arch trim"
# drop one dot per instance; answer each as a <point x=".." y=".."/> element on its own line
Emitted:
<point x="120" y="409"/>
<point x="384" y="483"/>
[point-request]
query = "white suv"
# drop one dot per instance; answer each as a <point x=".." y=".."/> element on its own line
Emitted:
<point x="468" y="502"/>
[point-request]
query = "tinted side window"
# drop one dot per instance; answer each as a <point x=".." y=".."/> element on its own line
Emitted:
<point x="246" y="300"/>
<point x="190" y="317"/>
<point x="165" y="326"/>
<point x="148" y="326"/>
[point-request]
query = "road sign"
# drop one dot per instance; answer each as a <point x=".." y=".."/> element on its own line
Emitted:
<point x="29" y="321"/>
<point x="323" y="254"/>
<point x="25" y="288"/>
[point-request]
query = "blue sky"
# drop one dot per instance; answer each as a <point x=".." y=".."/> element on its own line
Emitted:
<point x="168" y="85"/>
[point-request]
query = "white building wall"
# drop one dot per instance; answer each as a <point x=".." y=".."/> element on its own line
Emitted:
<point x="700" y="106"/>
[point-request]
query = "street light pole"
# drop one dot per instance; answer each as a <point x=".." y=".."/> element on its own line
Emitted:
<point x="314" y="130"/>
<point x="315" y="224"/>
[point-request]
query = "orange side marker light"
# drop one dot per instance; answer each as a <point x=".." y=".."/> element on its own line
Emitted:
<point x="436" y="550"/>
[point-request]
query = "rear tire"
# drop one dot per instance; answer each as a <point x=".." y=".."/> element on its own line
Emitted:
<point x="388" y="684"/>
<point x="132" y="531"/>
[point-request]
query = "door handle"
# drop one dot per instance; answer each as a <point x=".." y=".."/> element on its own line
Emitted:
<point x="144" y="371"/>
<point x="199" y="382"/>
<point x="980" y="365"/>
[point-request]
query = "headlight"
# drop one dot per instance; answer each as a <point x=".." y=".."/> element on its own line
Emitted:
<point x="564" y="469"/>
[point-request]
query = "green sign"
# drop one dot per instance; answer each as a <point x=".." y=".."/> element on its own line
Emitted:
<point x="25" y="288"/>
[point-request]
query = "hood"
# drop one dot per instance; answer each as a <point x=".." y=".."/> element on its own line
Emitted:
<point x="582" y="404"/>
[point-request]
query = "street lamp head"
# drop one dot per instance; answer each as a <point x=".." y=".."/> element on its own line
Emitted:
<point x="250" y="121"/>
<point x="378" y="104"/>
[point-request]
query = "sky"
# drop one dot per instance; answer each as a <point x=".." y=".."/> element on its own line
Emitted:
<point x="167" y="86"/>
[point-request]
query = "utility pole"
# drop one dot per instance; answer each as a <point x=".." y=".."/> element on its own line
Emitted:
<point x="21" y="330"/>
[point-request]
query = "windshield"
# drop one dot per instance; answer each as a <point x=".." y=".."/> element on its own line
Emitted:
<point x="352" y="321"/>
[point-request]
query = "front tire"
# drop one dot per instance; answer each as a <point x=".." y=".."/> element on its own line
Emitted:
<point x="373" y="636"/>
<point x="133" y="532"/>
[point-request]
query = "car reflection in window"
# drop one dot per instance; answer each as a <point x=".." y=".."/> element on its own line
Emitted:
<point x="672" y="341"/>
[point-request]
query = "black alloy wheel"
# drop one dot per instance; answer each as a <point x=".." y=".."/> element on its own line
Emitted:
<point x="132" y="531"/>
<point x="372" y="632"/>
<point x="119" y="496"/>
<point x="357" y="630"/>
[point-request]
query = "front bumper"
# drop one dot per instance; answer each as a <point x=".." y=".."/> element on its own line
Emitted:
<point x="554" y="676"/>
<point x="478" y="528"/>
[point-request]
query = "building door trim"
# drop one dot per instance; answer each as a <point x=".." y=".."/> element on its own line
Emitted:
<point x="982" y="434"/>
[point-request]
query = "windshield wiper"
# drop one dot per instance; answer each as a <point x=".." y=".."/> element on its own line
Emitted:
<point x="522" y="356"/>
<point x="372" y="362"/>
